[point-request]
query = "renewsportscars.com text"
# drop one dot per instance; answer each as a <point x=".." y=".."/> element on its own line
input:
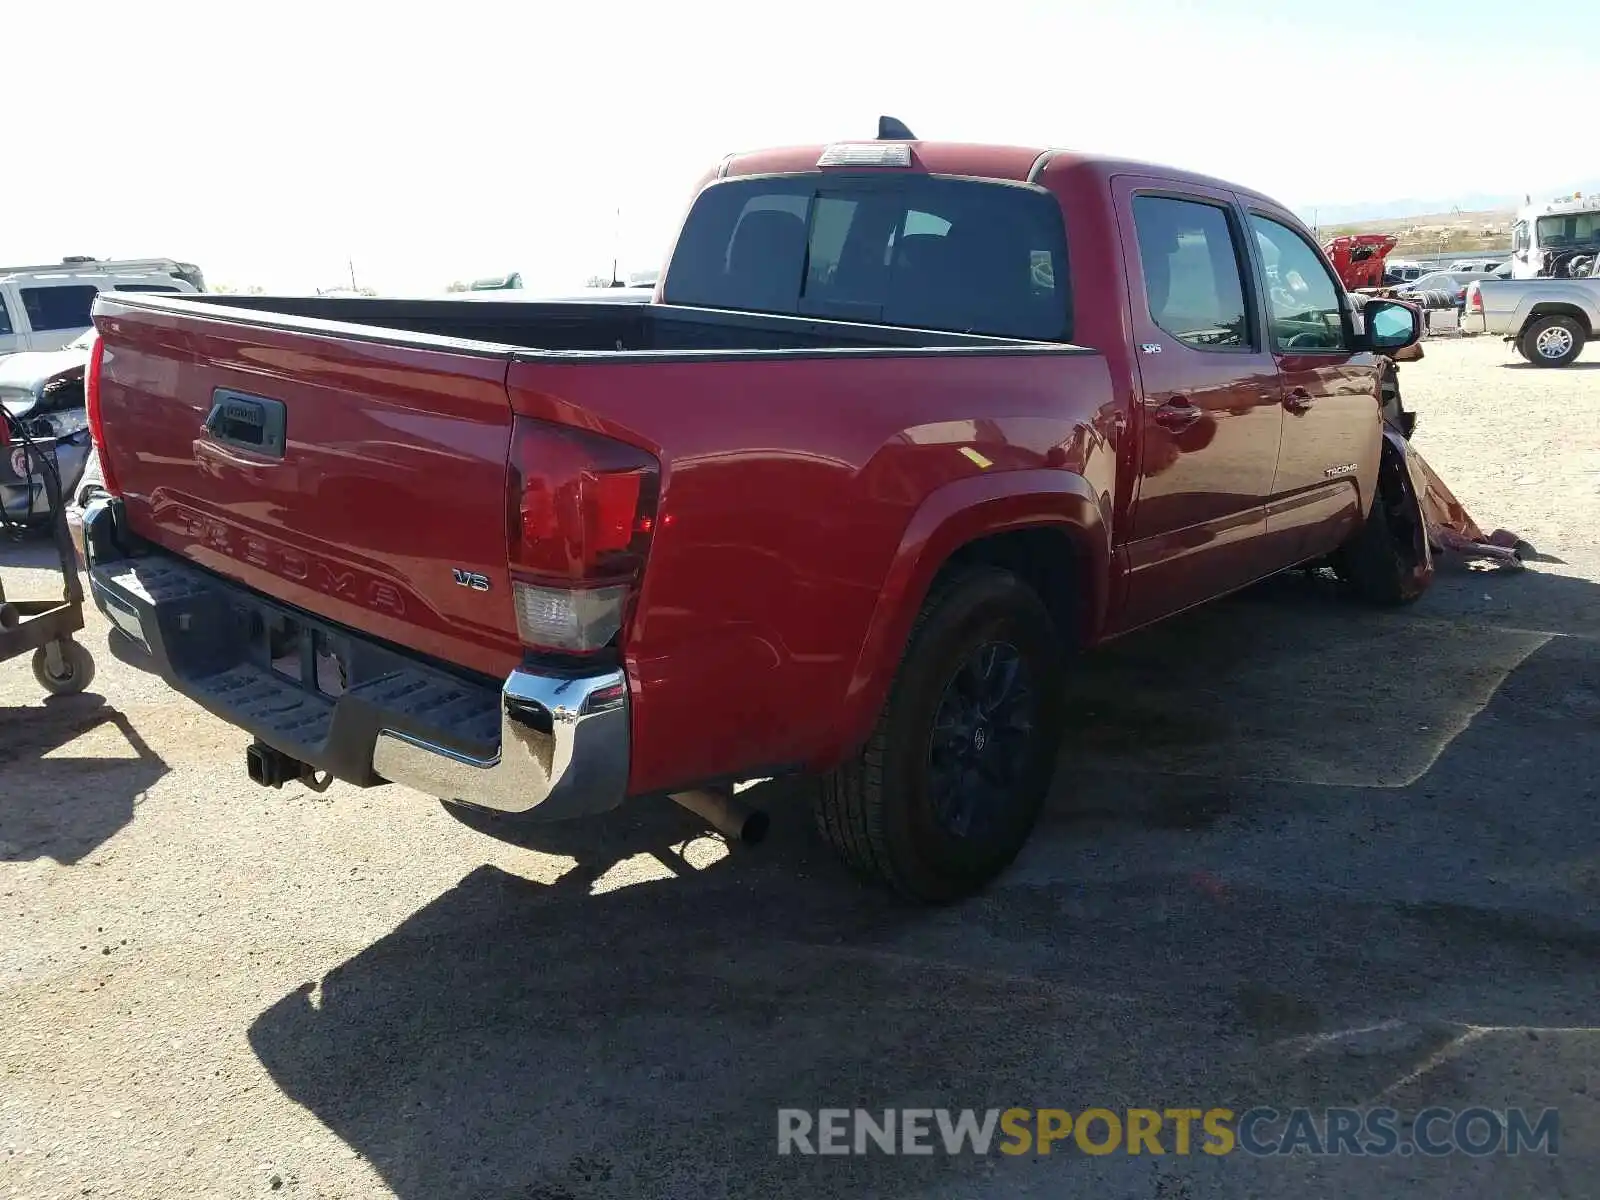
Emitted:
<point x="1260" y="1131"/>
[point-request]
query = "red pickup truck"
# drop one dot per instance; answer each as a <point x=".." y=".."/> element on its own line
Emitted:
<point x="906" y="423"/>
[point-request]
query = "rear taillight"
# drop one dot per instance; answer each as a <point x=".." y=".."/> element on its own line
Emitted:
<point x="91" y="399"/>
<point x="1474" y="298"/>
<point x="581" y="514"/>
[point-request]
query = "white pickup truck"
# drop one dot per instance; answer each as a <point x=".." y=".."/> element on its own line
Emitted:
<point x="1548" y="320"/>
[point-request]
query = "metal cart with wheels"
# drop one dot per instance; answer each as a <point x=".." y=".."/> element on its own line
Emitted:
<point x="61" y="665"/>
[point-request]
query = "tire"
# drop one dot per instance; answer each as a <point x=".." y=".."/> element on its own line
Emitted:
<point x="944" y="795"/>
<point x="1387" y="561"/>
<point x="77" y="668"/>
<point x="1552" y="341"/>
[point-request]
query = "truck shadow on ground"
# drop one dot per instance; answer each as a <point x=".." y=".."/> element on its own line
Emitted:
<point x="62" y="805"/>
<point x="1572" y="366"/>
<point x="1319" y="930"/>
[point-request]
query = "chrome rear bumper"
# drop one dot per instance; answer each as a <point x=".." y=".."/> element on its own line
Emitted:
<point x="552" y="744"/>
<point x="563" y="750"/>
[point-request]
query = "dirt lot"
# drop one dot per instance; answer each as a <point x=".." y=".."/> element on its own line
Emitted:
<point x="1302" y="854"/>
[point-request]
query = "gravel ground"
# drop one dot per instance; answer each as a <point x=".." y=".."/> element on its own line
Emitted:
<point x="1303" y="854"/>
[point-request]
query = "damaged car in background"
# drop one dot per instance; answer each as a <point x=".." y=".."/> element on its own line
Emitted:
<point x="42" y="393"/>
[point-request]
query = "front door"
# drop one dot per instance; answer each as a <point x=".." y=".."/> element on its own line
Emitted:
<point x="1210" y="416"/>
<point x="1333" y="421"/>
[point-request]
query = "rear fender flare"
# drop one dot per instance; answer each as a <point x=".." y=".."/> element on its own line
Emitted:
<point x="951" y="517"/>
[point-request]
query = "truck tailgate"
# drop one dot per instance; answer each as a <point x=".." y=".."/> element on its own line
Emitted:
<point x="359" y="480"/>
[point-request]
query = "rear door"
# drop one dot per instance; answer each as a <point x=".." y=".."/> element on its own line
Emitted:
<point x="1209" y="419"/>
<point x="1332" y="426"/>
<point x="356" y="478"/>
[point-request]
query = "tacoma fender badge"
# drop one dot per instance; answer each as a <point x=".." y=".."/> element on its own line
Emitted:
<point x="470" y="579"/>
<point x="1341" y="469"/>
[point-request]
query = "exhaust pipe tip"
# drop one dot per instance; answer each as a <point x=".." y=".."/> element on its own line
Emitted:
<point x="754" y="830"/>
<point x="735" y="821"/>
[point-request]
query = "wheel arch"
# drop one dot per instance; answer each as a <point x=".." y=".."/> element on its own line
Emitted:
<point x="1047" y="526"/>
<point x="1557" y="308"/>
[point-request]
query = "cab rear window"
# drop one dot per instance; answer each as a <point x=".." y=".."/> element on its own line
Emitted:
<point x="932" y="253"/>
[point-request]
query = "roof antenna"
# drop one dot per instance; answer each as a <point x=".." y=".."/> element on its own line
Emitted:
<point x="890" y="129"/>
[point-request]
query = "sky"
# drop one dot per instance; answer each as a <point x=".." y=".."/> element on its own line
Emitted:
<point x="275" y="143"/>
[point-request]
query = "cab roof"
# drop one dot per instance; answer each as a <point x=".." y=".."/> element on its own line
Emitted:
<point x="977" y="160"/>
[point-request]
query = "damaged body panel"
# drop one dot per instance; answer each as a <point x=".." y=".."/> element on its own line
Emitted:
<point x="42" y="394"/>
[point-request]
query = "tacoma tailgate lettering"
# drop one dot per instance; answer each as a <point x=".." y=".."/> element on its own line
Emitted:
<point x="345" y="583"/>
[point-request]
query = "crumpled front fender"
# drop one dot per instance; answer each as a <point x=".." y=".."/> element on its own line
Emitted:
<point x="1400" y="467"/>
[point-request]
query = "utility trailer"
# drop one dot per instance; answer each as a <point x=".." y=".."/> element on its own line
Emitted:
<point x="45" y="626"/>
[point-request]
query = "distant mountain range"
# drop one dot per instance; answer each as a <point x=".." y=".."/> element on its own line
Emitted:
<point x="1383" y="210"/>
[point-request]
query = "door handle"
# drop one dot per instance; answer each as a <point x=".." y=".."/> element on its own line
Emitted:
<point x="1298" y="401"/>
<point x="1177" y="413"/>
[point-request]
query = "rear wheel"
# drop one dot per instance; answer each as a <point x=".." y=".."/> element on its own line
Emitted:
<point x="1551" y="341"/>
<point x="1387" y="561"/>
<point x="949" y="785"/>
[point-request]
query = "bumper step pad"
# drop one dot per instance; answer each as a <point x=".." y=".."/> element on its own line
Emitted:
<point x="206" y="637"/>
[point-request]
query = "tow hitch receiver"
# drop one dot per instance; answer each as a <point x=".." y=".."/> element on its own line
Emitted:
<point x="273" y="768"/>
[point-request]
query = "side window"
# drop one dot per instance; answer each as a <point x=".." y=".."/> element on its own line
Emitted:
<point x="1303" y="302"/>
<point x="5" y="318"/>
<point x="58" y="307"/>
<point x="1519" y="236"/>
<point x="1192" y="278"/>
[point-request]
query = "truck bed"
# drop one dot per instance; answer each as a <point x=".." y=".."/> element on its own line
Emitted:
<point x="593" y="327"/>
<point x="793" y="455"/>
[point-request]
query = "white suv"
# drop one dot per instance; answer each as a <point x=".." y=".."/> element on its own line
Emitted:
<point x="45" y="308"/>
